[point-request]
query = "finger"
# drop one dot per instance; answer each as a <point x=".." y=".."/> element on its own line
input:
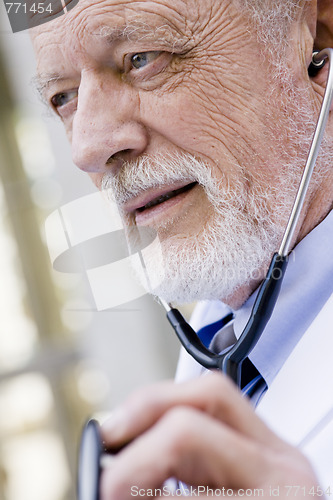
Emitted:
<point x="192" y="446"/>
<point x="213" y="394"/>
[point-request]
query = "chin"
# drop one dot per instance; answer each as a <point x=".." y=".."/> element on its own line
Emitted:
<point x="206" y="267"/>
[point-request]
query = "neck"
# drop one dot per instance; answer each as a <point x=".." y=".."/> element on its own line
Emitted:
<point x="320" y="206"/>
<point x="314" y="212"/>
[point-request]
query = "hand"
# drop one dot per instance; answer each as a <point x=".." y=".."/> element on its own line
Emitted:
<point x="204" y="433"/>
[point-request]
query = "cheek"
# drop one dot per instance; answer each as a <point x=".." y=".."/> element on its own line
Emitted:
<point x="68" y="126"/>
<point x="181" y="119"/>
<point x="217" y="125"/>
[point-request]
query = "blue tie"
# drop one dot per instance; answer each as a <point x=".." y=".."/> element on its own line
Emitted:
<point x="206" y="333"/>
<point x="218" y="336"/>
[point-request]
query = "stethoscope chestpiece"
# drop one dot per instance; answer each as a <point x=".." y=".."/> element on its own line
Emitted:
<point x="89" y="466"/>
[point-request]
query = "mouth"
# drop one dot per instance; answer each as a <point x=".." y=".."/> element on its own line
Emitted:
<point x="155" y="201"/>
<point x="166" y="197"/>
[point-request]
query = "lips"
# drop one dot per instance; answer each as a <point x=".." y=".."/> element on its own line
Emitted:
<point x="166" y="197"/>
<point x="155" y="197"/>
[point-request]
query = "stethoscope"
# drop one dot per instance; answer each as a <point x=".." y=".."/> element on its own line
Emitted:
<point x="230" y="361"/>
<point x="92" y="451"/>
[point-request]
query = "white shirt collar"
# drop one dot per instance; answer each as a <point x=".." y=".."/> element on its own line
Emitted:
<point x="307" y="285"/>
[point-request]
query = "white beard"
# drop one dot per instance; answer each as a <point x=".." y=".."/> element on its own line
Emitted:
<point x="249" y="214"/>
<point x="228" y="251"/>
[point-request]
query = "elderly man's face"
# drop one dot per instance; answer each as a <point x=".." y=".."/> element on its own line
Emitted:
<point x="168" y="104"/>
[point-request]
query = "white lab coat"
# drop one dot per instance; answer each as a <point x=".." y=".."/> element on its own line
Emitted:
<point x="299" y="403"/>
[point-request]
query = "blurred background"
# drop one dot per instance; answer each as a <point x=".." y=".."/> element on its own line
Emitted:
<point x="61" y="359"/>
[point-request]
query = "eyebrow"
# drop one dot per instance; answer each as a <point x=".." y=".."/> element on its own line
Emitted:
<point x="139" y="30"/>
<point x="168" y="36"/>
<point x="134" y="31"/>
<point x="41" y="82"/>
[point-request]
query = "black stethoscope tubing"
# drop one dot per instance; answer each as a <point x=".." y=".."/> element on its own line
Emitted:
<point x="91" y="447"/>
<point x="230" y="362"/>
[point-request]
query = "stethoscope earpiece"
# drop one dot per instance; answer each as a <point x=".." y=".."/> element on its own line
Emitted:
<point x="316" y="65"/>
<point x="93" y="455"/>
<point x="230" y="362"/>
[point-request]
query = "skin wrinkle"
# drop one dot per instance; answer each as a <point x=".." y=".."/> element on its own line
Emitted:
<point x="212" y="100"/>
<point x="42" y="82"/>
<point x="260" y="457"/>
<point x="224" y="87"/>
<point x="211" y="49"/>
<point x="183" y="76"/>
<point x="168" y="76"/>
<point x="210" y="118"/>
<point x="208" y="105"/>
<point x="246" y="178"/>
<point x="229" y="130"/>
<point x="229" y="115"/>
<point x="228" y="149"/>
<point x="52" y="79"/>
<point x="172" y="17"/>
<point x="141" y="31"/>
<point x="232" y="37"/>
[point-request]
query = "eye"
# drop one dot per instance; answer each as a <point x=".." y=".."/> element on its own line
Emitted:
<point x="141" y="59"/>
<point x="63" y="98"/>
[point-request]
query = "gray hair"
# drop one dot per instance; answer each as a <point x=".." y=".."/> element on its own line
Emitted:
<point x="272" y="19"/>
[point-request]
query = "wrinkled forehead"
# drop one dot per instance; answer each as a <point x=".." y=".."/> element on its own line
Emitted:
<point x="127" y="17"/>
<point x="91" y="26"/>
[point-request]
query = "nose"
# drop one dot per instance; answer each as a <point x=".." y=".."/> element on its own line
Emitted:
<point x="106" y="128"/>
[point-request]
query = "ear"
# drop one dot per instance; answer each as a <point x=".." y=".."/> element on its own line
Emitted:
<point x="324" y="29"/>
<point x="323" y="39"/>
<point x="319" y="20"/>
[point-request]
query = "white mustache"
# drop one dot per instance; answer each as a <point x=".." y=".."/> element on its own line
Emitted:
<point x="152" y="171"/>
